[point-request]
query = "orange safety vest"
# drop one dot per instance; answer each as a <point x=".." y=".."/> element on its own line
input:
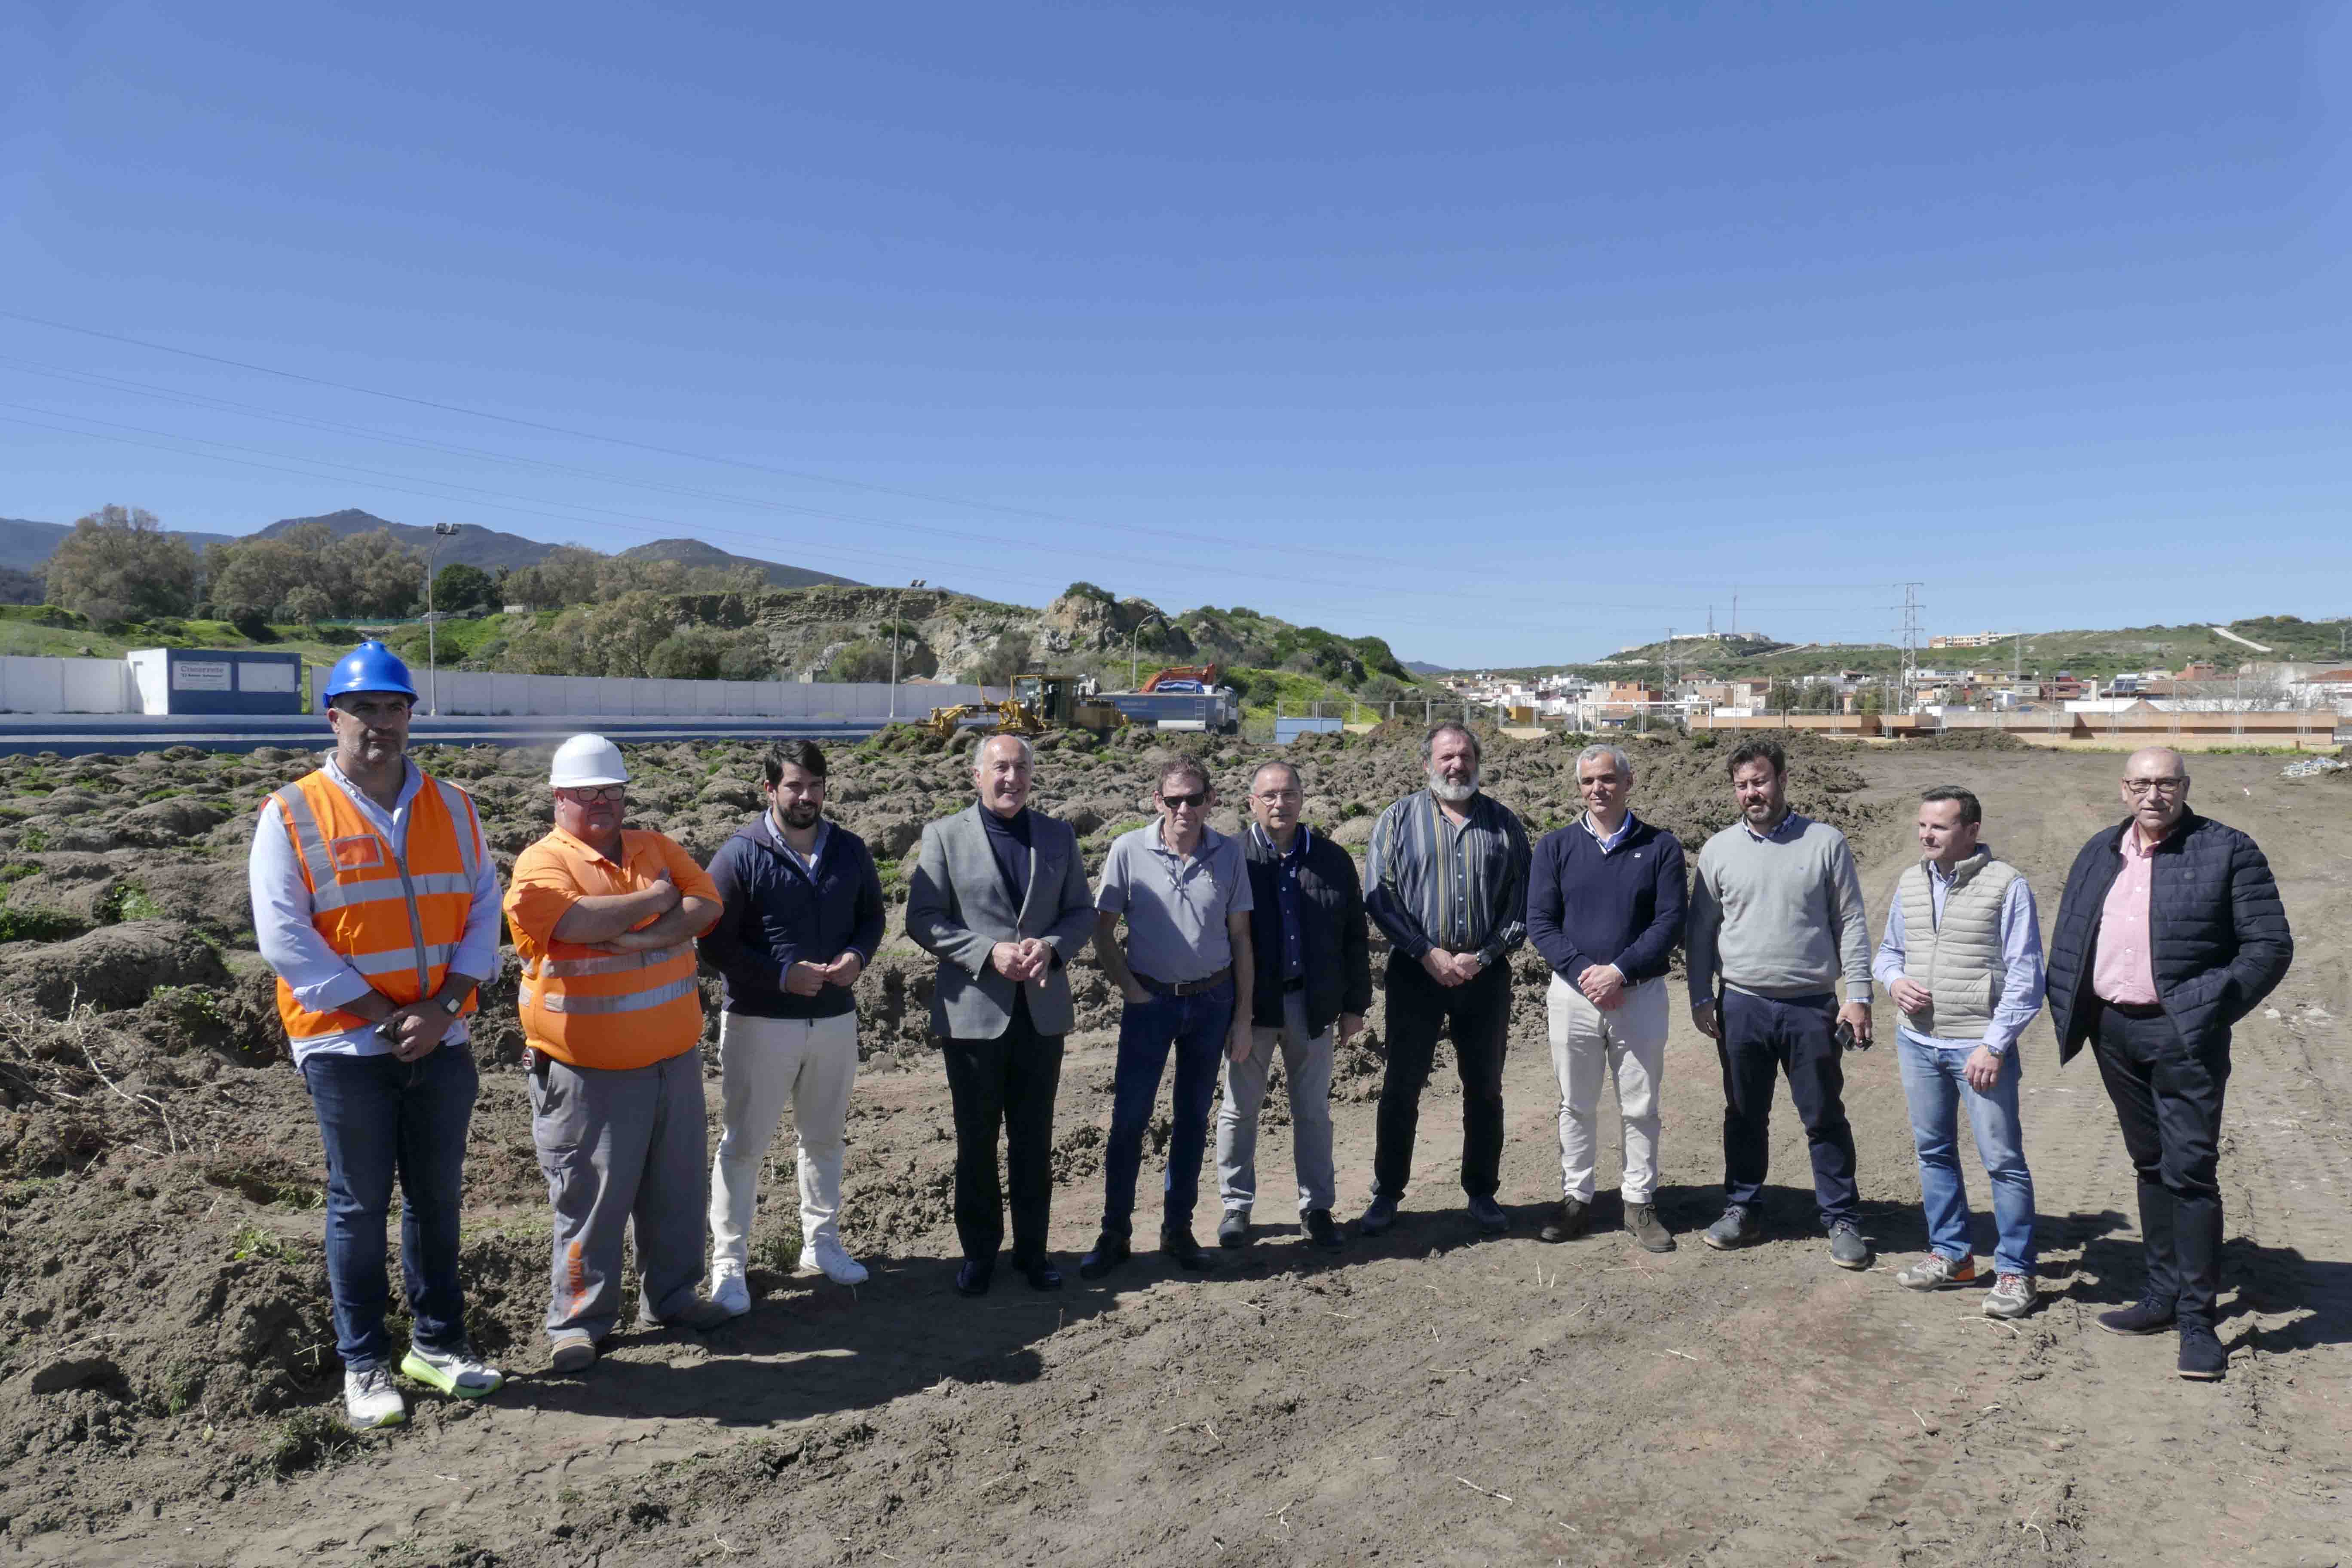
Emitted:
<point x="397" y="923"/>
<point x="616" y="1011"/>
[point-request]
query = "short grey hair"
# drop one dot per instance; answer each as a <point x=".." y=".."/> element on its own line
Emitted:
<point x="1296" y="781"/>
<point x="1450" y="727"/>
<point x="1619" y="762"/>
<point x="1028" y="752"/>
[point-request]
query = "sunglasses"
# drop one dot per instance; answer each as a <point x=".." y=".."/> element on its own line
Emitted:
<point x="1181" y="802"/>
<point x="586" y="795"/>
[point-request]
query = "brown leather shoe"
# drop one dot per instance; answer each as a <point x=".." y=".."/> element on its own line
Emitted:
<point x="1649" y="1233"/>
<point x="1568" y="1221"/>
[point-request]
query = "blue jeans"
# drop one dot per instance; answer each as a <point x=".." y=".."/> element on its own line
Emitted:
<point x="1196" y="1026"/>
<point x="379" y="1116"/>
<point x="1933" y="1085"/>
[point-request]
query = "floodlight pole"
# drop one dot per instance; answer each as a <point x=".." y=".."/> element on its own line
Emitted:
<point x="895" y="595"/>
<point x="441" y="530"/>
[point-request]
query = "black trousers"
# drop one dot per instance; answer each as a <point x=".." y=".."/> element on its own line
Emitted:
<point x="1478" y="1016"/>
<point x="1762" y="1038"/>
<point x="1008" y="1082"/>
<point x="2168" y="1098"/>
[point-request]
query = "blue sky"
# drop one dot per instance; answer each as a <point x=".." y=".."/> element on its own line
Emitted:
<point x="1510" y="335"/>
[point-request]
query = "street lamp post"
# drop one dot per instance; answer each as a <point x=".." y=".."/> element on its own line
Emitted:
<point x="895" y="595"/>
<point x="441" y="530"/>
<point x="1134" y="642"/>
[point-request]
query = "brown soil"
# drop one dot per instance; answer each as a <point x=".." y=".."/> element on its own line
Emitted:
<point x="168" y="1383"/>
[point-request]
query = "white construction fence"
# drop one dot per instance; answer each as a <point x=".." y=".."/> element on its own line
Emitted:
<point x="619" y="697"/>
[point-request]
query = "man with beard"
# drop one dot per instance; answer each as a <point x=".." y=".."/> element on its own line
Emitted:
<point x="1777" y="917"/>
<point x="375" y="901"/>
<point x="803" y="917"/>
<point x="604" y="920"/>
<point x="1448" y="879"/>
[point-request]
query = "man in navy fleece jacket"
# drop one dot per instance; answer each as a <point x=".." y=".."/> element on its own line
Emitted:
<point x="1605" y="904"/>
<point x="803" y="915"/>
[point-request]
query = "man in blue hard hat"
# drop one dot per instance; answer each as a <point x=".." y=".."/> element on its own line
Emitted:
<point x="376" y="902"/>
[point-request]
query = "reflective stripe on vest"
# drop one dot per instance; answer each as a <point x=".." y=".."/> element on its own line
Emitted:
<point x="627" y="1002"/>
<point x="611" y="963"/>
<point x="397" y="919"/>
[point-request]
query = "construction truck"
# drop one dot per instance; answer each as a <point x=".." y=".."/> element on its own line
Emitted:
<point x="1038" y="703"/>
<point x="1182" y="697"/>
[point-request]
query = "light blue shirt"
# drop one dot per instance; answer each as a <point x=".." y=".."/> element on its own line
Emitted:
<point x="1608" y="841"/>
<point x="319" y="977"/>
<point x="2020" y="951"/>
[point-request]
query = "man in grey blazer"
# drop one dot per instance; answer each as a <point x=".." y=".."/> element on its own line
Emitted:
<point x="1000" y="897"/>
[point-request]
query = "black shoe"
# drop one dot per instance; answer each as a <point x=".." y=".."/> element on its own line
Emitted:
<point x="1109" y="1252"/>
<point x="1737" y="1227"/>
<point x="1488" y="1215"/>
<point x="975" y="1278"/>
<point x="1233" y="1231"/>
<point x="2203" y="1358"/>
<point x="2139" y="1317"/>
<point x="1041" y="1274"/>
<point x="1321" y="1231"/>
<point x="1568" y="1221"/>
<point x="1183" y="1251"/>
<point x="1378" y="1217"/>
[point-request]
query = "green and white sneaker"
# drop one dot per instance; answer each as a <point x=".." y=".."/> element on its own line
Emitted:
<point x="459" y="1375"/>
<point x="370" y="1401"/>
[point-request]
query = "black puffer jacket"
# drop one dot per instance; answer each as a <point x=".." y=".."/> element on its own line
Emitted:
<point x="1331" y="930"/>
<point x="2216" y="927"/>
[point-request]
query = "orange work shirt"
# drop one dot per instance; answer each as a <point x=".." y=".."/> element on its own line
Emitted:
<point x="593" y="1009"/>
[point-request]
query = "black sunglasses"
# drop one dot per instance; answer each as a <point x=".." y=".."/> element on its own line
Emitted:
<point x="1179" y="801"/>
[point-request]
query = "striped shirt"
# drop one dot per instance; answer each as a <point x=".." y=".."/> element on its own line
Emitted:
<point x="1434" y="884"/>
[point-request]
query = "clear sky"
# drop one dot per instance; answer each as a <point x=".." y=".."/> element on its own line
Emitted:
<point x="1510" y="335"/>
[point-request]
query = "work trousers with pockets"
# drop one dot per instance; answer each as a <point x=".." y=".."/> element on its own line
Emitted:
<point x="765" y="1064"/>
<point x="1764" y="1036"/>
<point x="378" y="1117"/>
<point x="1478" y="1016"/>
<point x="1196" y="1029"/>
<point x="1627" y="1046"/>
<point x="622" y="1150"/>
<point x="1007" y="1083"/>
<point x="1307" y="1069"/>
<point x="2167" y="1096"/>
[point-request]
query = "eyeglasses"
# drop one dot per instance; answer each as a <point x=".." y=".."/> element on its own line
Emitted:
<point x="2156" y="786"/>
<point x="588" y="795"/>
<point x="1184" y="801"/>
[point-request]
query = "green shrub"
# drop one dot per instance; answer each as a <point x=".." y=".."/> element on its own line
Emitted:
<point x="39" y="925"/>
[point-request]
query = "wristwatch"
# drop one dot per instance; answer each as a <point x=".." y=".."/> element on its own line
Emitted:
<point x="453" y="1005"/>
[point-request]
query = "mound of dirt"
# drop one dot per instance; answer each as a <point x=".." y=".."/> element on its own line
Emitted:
<point x="114" y="967"/>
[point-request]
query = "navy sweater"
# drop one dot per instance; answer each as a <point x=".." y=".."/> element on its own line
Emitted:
<point x="1624" y="907"/>
<point x="775" y="917"/>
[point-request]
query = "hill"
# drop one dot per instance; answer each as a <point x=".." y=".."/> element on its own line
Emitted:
<point x="695" y="553"/>
<point x="26" y="545"/>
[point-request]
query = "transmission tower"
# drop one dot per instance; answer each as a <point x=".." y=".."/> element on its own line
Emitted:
<point x="1910" y="642"/>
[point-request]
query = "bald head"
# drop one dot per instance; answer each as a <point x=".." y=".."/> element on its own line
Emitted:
<point x="2155" y="789"/>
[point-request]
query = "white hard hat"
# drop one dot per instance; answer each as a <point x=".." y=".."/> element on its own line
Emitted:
<point x="585" y="761"/>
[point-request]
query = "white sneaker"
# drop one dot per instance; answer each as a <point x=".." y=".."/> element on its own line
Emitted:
<point x="460" y="1375"/>
<point x="729" y="1290"/>
<point x="2012" y="1297"/>
<point x="830" y="1258"/>
<point x="369" y="1400"/>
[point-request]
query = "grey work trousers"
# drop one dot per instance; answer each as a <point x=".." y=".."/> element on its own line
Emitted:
<point x="620" y="1148"/>
<point x="1307" y="1065"/>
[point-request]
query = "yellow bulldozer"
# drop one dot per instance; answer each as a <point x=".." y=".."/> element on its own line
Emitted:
<point x="1038" y="703"/>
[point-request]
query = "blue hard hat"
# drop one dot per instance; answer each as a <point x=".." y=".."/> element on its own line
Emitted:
<point x="371" y="667"/>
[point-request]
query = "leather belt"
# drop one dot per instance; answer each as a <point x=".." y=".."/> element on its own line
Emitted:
<point x="1186" y="987"/>
<point x="2133" y="1009"/>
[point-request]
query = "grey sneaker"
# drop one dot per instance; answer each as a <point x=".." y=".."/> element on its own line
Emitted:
<point x="1233" y="1231"/>
<point x="2011" y="1296"/>
<point x="1847" y="1249"/>
<point x="1649" y="1233"/>
<point x="1937" y="1272"/>
<point x="369" y="1400"/>
<point x="1737" y="1227"/>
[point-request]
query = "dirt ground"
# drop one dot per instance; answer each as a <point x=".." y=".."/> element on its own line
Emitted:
<point x="168" y="1384"/>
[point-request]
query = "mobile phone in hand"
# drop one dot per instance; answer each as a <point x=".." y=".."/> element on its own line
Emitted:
<point x="1845" y="1038"/>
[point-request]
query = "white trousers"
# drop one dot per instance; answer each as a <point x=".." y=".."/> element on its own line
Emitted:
<point x="1626" y="1044"/>
<point x="765" y="1064"/>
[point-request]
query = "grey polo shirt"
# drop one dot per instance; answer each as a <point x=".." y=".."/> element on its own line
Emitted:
<point x="1175" y="905"/>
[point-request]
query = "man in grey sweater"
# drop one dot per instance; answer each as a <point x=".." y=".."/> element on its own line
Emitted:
<point x="1777" y="917"/>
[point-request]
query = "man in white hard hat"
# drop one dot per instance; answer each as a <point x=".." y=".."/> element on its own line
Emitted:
<point x="604" y="920"/>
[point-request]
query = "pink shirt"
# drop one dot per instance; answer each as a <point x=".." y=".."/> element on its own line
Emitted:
<point x="2123" y="970"/>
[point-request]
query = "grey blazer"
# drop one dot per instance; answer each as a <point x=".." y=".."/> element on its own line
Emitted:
<point x="957" y="909"/>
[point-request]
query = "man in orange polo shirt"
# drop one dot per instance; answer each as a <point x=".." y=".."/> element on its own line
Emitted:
<point x="604" y="920"/>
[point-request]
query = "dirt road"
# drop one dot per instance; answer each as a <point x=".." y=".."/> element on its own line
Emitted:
<point x="1433" y="1397"/>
